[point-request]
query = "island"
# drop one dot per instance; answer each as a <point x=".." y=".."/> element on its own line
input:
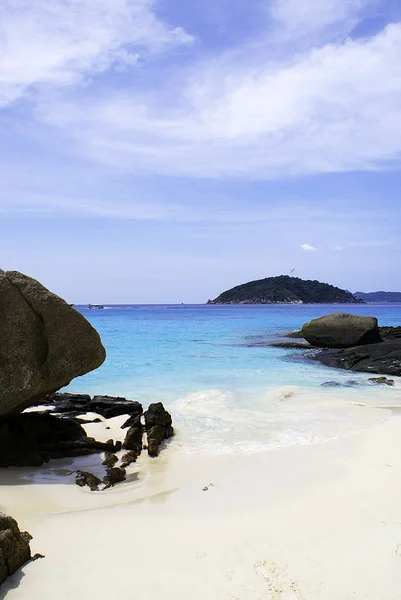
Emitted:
<point x="285" y="290"/>
<point x="379" y="297"/>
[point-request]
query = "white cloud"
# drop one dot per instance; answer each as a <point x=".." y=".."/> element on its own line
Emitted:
<point x="332" y="109"/>
<point x="306" y="16"/>
<point x="58" y="42"/>
<point x="328" y="107"/>
<point x="308" y="248"/>
<point x="338" y="248"/>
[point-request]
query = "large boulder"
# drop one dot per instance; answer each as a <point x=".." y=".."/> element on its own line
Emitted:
<point x="14" y="547"/>
<point x="45" y="343"/>
<point x="340" y="330"/>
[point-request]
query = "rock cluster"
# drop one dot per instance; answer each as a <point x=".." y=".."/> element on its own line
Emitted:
<point x="156" y="428"/>
<point x="14" y="547"/>
<point x="355" y="343"/>
<point x="72" y="405"/>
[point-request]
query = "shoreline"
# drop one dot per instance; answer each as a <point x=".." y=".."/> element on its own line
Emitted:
<point x="304" y="522"/>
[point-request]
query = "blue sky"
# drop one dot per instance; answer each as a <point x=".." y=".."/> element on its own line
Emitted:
<point x="163" y="151"/>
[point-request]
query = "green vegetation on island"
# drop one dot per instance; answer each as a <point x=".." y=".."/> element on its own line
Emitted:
<point x="285" y="290"/>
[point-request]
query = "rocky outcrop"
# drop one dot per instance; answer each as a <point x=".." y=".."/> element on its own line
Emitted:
<point x="133" y="438"/>
<point x="45" y="343"/>
<point x="341" y="330"/>
<point x="109" y="406"/>
<point x="14" y="547"/>
<point x="32" y="439"/>
<point x="383" y="358"/>
<point x="158" y="426"/>
<point x="72" y="405"/>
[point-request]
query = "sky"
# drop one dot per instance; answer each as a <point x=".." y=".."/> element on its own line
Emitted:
<point x="162" y="151"/>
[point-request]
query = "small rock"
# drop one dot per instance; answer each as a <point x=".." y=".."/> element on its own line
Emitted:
<point x="382" y="380"/>
<point x="114" y="475"/>
<point x="84" y="478"/>
<point x="133" y="438"/>
<point x="128" y="458"/>
<point x="110" y="459"/>
<point x="158" y="425"/>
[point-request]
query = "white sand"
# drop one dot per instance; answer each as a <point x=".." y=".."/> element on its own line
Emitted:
<point x="302" y="523"/>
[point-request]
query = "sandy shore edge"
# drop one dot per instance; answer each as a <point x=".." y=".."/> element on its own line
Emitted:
<point x="301" y="523"/>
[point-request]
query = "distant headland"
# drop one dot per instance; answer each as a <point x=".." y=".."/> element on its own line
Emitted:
<point x="379" y="297"/>
<point x="286" y="290"/>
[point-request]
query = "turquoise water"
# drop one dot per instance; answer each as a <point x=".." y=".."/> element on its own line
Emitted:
<point x="211" y="366"/>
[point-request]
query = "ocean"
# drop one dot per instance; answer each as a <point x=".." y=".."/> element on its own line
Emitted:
<point x="227" y="390"/>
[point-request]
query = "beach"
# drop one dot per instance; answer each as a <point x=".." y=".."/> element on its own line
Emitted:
<point x="306" y="522"/>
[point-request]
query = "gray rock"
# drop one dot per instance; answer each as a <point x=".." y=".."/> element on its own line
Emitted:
<point x="341" y="330"/>
<point x="14" y="547"/>
<point x="44" y="343"/>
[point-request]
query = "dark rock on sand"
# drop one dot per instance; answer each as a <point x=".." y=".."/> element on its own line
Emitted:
<point x="109" y="406"/>
<point x="128" y="458"/>
<point x="158" y="426"/>
<point x="340" y="330"/>
<point x="84" y="478"/>
<point x="133" y="438"/>
<point x="114" y="475"/>
<point x="110" y="459"/>
<point x="133" y="421"/>
<point x="382" y="358"/>
<point x="44" y="343"/>
<point x="14" y="547"/>
<point x="66" y="403"/>
<point x="78" y="404"/>
<point x="31" y="439"/>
